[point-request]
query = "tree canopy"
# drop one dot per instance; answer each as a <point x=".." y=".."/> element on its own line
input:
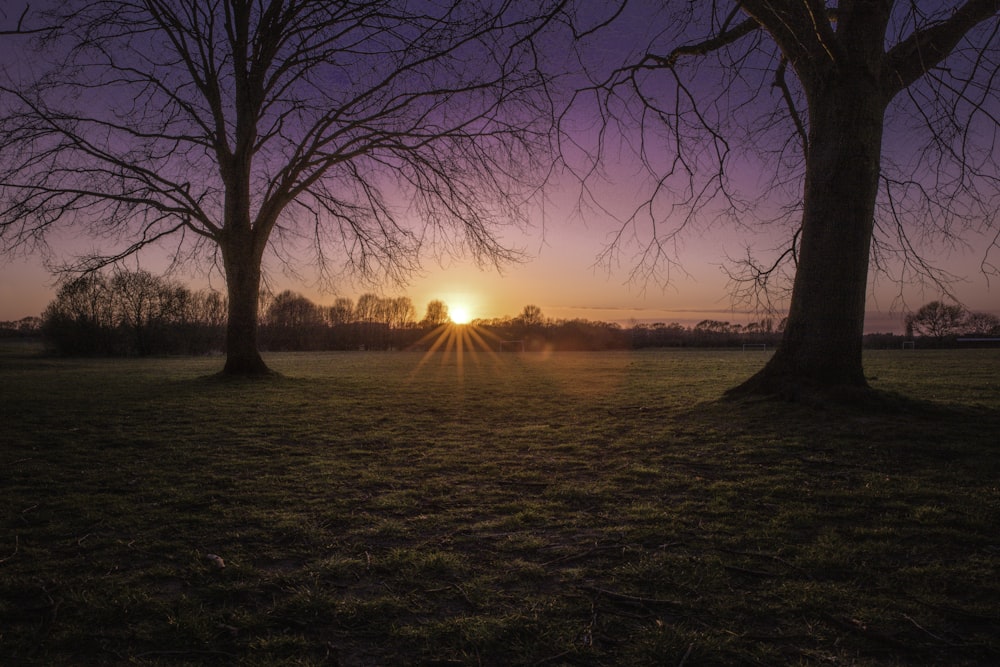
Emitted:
<point x="369" y="132"/>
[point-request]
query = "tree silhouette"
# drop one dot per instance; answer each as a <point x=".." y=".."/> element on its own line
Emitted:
<point x="131" y="313"/>
<point x="981" y="324"/>
<point x="293" y="311"/>
<point x="531" y="316"/>
<point x="937" y="320"/>
<point x="801" y="91"/>
<point x="436" y="315"/>
<point x="367" y="130"/>
<point x="342" y="311"/>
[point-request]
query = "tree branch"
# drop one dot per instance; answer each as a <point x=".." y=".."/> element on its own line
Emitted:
<point x="20" y="29"/>
<point x="924" y="49"/>
<point x="802" y="30"/>
<point x="723" y="39"/>
<point x="782" y="85"/>
<point x="303" y="118"/>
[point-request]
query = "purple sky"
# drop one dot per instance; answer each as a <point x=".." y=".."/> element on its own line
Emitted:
<point x="562" y="277"/>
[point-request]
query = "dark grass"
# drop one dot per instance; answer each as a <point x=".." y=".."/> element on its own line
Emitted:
<point x="575" y="509"/>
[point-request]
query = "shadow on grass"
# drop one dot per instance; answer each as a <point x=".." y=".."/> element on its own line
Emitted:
<point x="365" y="520"/>
<point x="872" y="417"/>
<point x="238" y="379"/>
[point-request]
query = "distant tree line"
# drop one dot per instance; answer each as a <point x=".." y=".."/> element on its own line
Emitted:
<point x="292" y="322"/>
<point x="135" y="313"/>
<point x="944" y="324"/>
<point x="26" y="327"/>
<point x="132" y="313"/>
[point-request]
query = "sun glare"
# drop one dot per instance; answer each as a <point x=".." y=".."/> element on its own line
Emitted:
<point x="458" y="339"/>
<point x="460" y="314"/>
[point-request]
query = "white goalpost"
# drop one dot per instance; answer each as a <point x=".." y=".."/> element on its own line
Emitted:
<point x="755" y="346"/>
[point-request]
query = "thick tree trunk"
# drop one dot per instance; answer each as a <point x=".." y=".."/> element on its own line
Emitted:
<point x="242" y="264"/>
<point x="821" y="347"/>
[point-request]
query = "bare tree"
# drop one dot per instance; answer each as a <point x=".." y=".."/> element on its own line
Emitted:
<point x="141" y="300"/>
<point x="531" y="316"/>
<point x="937" y="320"/>
<point x="801" y="92"/>
<point x="124" y="313"/>
<point x="436" y="315"/>
<point x="86" y="299"/>
<point x="209" y="309"/>
<point x="342" y="311"/>
<point x="981" y="324"/>
<point x="293" y="322"/>
<point x="368" y="308"/>
<point x="402" y="312"/>
<point x="367" y="130"/>
<point x="290" y="310"/>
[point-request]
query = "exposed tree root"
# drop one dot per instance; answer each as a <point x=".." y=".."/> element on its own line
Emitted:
<point x="260" y="374"/>
<point x="246" y="366"/>
<point x="817" y="395"/>
<point x="795" y="389"/>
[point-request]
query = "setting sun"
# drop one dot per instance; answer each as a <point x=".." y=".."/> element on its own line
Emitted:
<point x="460" y="314"/>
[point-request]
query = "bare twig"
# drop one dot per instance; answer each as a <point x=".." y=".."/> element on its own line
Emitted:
<point x="584" y="554"/>
<point x="776" y="559"/>
<point x="928" y="632"/>
<point x="630" y="599"/>
<point x="687" y="653"/>
<point x="17" y="545"/>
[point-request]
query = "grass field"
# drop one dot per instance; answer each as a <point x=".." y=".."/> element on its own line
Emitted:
<point x="572" y="509"/>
